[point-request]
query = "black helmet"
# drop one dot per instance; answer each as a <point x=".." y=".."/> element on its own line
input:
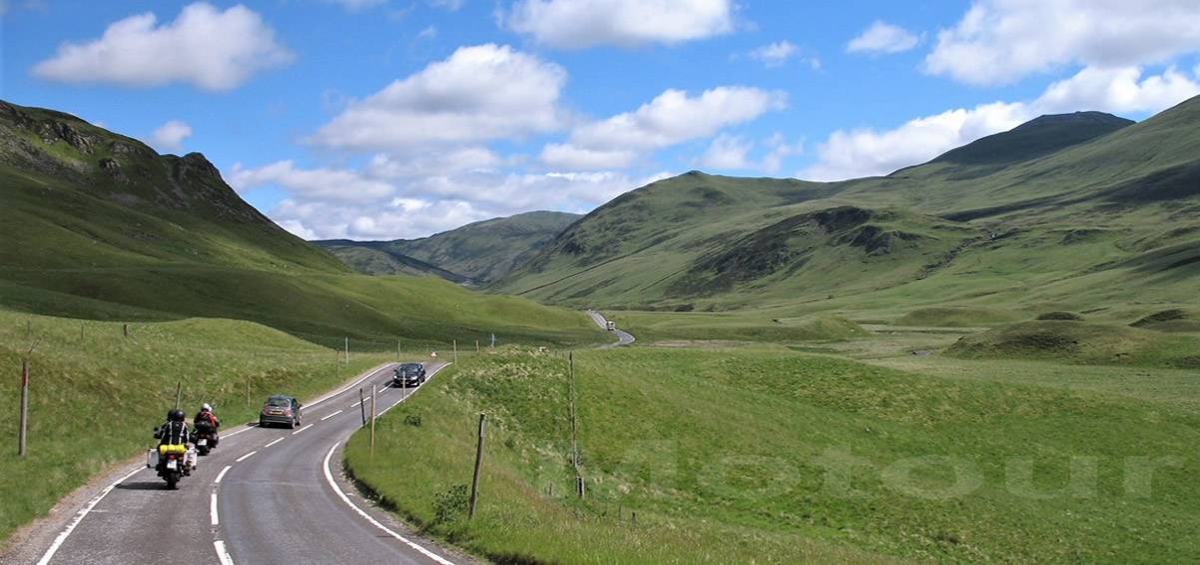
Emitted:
<point x="176" y="415"/>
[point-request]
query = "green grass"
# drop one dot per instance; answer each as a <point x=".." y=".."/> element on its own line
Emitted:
<point x="650" y="327"/>
<point x="93" y="401"/>
<point x="724" y="457"/>
<point x="1081" y="342"/>
<point x="957" y="317"/>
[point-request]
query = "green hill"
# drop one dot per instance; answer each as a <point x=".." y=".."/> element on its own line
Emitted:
<point x="476" y="253"/>
<point x="1079" y="212"/>
<point x="98" y="225"/>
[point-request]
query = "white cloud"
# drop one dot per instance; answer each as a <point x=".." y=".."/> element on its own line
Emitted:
<point x="727" y="152"/>
<point x="479" y="93"/>
<point x="779" y="150"/>
<point x="775" y="54"/>
<point x="865" y="152"/>
<point x="883" y="37"/>
<point x="450" y="161"/>
<point x="430" y="32"/>
<point x="210" y="49"/>
<point x="170" y="136"/>
<point x="670" y="118"/>
<point x="1001" y="41"/>
<point x="357" y="5"/>
<point x="452" y="5"/>
<point x="1118" y="90"/>
<point x="319" y="184"/>
<point x="567" y="156"/>
<point x="868" y="152"/>
<point x="577" y="24"/>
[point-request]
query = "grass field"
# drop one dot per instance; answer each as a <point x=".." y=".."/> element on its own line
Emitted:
<point x="93" y="401"/>
<point x="778" y="457"/>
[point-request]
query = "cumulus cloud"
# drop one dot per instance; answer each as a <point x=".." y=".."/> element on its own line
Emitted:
<point x="338" y="185"/>
<point x="578" y="24"/>
<point x="211" y="49"/>
<point x="170" y="136"/>
<point x="865" y="152"/>
<point x="1001" y="41"/>
<point x="1118" y="90"/>
<point x="670" y="118"/>
<point x="479" y="93"/>
<point x="567" y="156"/>
<point x="883" y="37"/>
<point x="775" y="54"/>
<point x="452" y="5"/>
<point x="727" y="152"/>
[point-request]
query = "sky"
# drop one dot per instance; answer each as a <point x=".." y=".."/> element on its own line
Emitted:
<point x="384" y="119"/>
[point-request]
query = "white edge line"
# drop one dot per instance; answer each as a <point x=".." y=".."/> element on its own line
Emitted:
<point x="245" y="429"/>
<point x="373" y="521"/>
<point x="212" y="509"/>
<point x="332" y="415"/>
<point x="222" y="553"/>
<point x="62" y="537"/>
<point x="302" y="429"/>
<point x="272" y="443"/>
<point x="221" y="475"/>
<point x="244" y="457"/>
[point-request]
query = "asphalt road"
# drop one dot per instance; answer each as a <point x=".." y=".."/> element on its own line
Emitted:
<point x="623" y="337"/>
<point x="264" y="496"/>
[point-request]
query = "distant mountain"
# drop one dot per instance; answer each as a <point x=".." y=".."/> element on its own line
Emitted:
<point x="477" y="253"/>
<point x="97" y="225"/>
<point x="1081" y="210"/>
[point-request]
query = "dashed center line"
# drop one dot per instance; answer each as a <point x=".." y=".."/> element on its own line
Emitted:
<point x="302" y="429"/>
<point x="244" y="457"/>
<point x="212" y="508"/>
<point x="222" y="553"/>
<point x="331" y="415"/>
<point x="221" y="475"/>
<point x="272" y="443"/>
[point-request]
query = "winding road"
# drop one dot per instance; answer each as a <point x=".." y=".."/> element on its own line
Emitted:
<point x="623" y="337"/>
<point x="263" y="496"/>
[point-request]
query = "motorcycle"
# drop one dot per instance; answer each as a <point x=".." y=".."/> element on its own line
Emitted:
<point x="204" y="437"/>
<point x="172" y="462"/>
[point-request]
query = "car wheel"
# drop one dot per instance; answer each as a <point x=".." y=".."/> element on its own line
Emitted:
<point x="262" y="424"/>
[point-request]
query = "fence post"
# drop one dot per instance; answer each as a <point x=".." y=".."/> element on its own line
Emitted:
<point x="374" y="393"/>
<point x="456" y="351"/>
<point x="347" y="350"/>
<point x="478" y="463"/>
<point x="125" y="329"/>
<point x="178" y="393"/>
<point x="24" y="407"/>
<point x="362" y="406"/>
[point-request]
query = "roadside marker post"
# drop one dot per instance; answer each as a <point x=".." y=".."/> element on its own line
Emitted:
<point x="362" y="406"/>
<point x="478" y="463"/>
<point x="347" y="351"/>
<point x="374" y="393"/>
<point x="456" y="351"/>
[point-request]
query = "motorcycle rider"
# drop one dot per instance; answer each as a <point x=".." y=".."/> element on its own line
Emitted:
<point x="206" y="415"/>
<point x="173" y="432"/>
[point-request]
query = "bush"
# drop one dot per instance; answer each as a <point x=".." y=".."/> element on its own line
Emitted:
<point x="451" y="503"/>
<point x="413" y="420"/>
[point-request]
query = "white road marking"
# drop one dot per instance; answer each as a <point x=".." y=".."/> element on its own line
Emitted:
<point x="355" y="405"/>
<point x="272" y="443"/>
<point x="302" y="429"/>
<point x="221" y="475"/>
<point x="338" y="491"/>
<point x="392" y="406"/>
<point x="222" y="553"/>
<point x="212" y="508"/>
<point x="62" y="537"/>
<point x="331" y="415"/>
<point x="245" y="429"/>
<point x="244" y="457"/>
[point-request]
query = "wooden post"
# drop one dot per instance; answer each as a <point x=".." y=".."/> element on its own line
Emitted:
<point x="456" y="351"/>
<point x="362" y="406"/>
<point x="478" y="463"/>
<point x="178" y="394"/>
<point x="21" y="435"/>
<point x="476" y="346"/>
<point x="374" y="393"/>
<point x="125" y="329"/>
<point x="347" y="351"/>
<point x="80" y="332"/>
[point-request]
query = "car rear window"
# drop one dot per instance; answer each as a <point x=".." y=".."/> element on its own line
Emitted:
<point x="279" y="402"/>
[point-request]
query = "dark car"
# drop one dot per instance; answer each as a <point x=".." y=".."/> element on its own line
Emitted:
<point x="280" y="409"/>
<point x="409" y="375"/>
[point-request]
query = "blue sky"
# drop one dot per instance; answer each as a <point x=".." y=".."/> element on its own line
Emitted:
<point x="378" y="119"/>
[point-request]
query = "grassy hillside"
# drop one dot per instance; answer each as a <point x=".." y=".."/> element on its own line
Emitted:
<point x="85" y="370"/>
<point x="477" y="253"/>
<point x="97" y="225"/>
<point x="733" y="455"/>
<point x="1082" y="212"/>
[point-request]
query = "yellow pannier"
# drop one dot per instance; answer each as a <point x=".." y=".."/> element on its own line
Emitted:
<point x="177" y="449"/>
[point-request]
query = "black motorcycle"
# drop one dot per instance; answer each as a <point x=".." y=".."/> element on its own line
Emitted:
<point x="204" y="436"/>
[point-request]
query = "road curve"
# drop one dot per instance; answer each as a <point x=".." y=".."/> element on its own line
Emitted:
<point x="623" y="337"/>
<point x="264" y="496"/>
